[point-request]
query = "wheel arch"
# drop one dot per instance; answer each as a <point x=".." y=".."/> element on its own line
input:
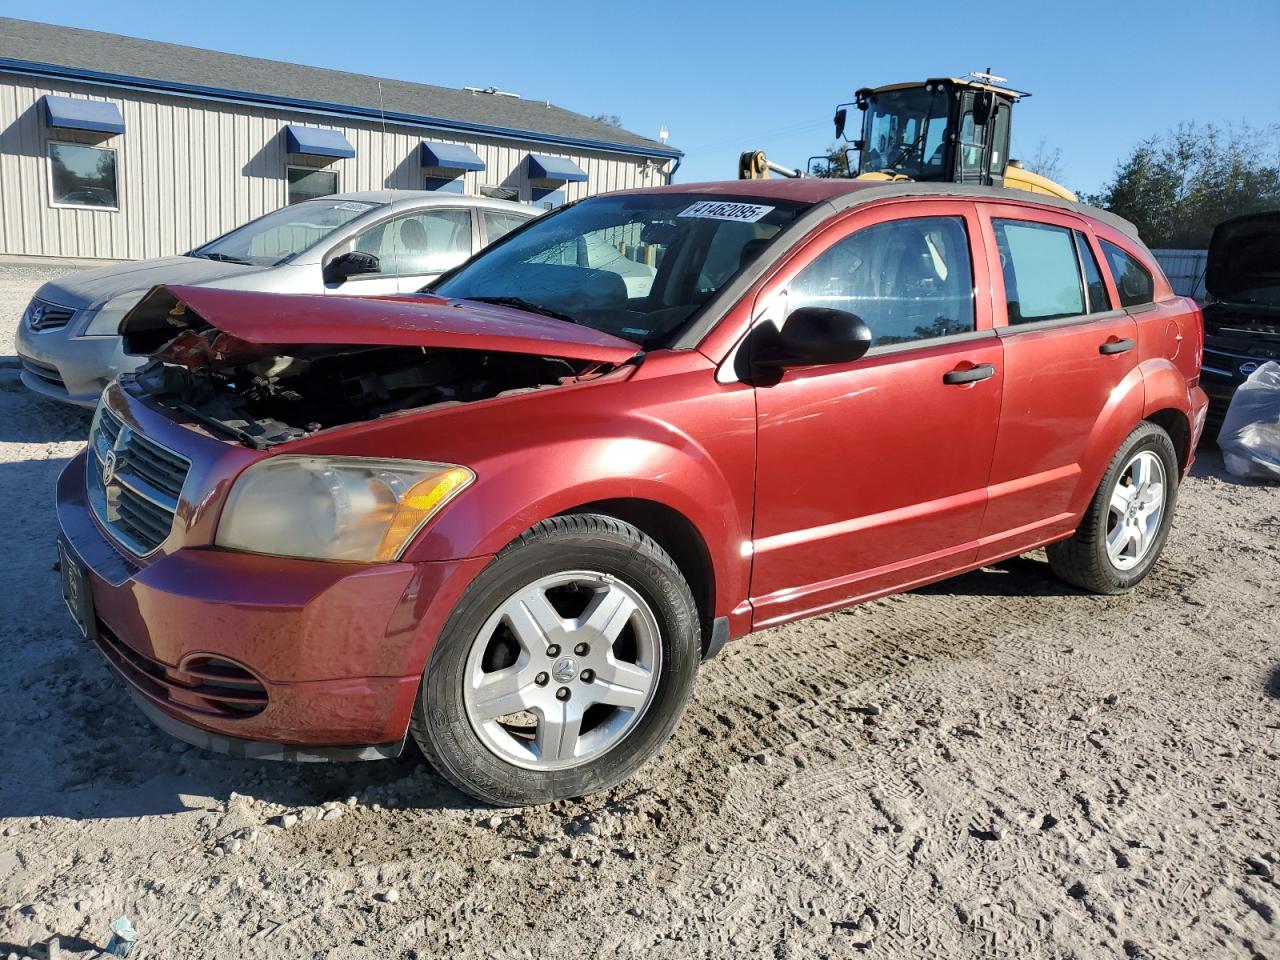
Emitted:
<point x="679" y="537"/>
<point x="1175" y="423"/>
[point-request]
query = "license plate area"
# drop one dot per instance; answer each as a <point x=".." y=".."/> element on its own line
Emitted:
<point x="76" y="592"/>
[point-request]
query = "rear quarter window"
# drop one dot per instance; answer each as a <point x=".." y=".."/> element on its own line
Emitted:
<point x="1134" y="282"/>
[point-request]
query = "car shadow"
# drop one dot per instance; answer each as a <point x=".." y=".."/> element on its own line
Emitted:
<point x="30" y="418"/>
<point x="1273" y="683"/>
<point x="1023" y="576"/>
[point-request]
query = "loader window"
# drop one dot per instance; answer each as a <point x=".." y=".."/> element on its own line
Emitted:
<point x="903" y="131"/>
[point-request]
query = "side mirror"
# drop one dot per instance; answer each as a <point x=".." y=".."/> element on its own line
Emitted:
<point x="349" y="265"/>
<point x="841" y="116"/>
<point x="813" y="335"/>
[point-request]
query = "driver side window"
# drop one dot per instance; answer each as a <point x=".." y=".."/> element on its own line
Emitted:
<point x="907" y="279"/>
<point x="421" y="243"/>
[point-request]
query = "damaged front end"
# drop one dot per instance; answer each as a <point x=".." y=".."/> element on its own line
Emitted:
<point x="298" y="369"/>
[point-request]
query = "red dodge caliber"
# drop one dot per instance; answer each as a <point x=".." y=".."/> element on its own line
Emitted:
<point x="509" y="517"/>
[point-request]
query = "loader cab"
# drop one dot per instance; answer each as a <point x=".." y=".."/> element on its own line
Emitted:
<point x="944" y="130"/>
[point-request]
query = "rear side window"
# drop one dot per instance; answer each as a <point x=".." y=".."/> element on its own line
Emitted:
<point x="1041" y="273"/>
<point x="498" y="223"/>
<point x="1133" y="281"/>
<point x="907" y="279"/>
<point x="1099" y="301"/>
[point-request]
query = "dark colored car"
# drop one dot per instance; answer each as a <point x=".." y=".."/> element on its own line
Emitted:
<point x="510" y="518"/>
<point x="1242" y="316"/>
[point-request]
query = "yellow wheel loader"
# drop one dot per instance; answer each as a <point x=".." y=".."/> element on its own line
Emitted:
<point x="946" y="129"/>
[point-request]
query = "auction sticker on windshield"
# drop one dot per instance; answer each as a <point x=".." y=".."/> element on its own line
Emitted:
<point x="353" y="205"/>
<point x="722" y="210"/>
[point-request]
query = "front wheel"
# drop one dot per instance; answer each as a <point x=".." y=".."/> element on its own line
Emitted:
<point x="1125" y="527"/>
<point x="566" y="665"/>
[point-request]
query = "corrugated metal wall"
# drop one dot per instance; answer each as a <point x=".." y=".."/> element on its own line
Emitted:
<point x="1185" y="270"/>
<point x="188" y="170"/>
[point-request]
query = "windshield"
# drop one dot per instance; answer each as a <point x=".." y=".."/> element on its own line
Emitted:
<point x="637" y="266"/>
<point x="903" y="131"/>
<point x="283" y="233"/>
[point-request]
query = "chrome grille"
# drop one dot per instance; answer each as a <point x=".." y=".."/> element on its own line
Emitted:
<point x="134" y="483"/>
<point x="43" y="315"/>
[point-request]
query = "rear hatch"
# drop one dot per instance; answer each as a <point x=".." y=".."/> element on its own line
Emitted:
<point x="268" y="368"/>
<point x="1242" y="277"/>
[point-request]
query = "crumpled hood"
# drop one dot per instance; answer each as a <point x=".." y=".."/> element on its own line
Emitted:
<point x="1244" y="258"/>
<point x="413" y="321"/>
<point x="87" y="287"/>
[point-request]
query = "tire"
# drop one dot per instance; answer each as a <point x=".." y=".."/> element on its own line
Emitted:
<point x="1088" y="559"/>
<point x="587" y="589"/>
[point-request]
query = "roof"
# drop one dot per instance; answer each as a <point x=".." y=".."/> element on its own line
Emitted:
<point x="844" y="193"/>
<point x="89" y="55"/>
<point x="431" y="198"/>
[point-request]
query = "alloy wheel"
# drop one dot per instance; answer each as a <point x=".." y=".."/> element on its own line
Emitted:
<point x="563" y="670"/>
<point x="1135" y="510"/>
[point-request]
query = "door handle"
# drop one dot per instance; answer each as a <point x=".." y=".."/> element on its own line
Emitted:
<point x="981" y="371"/>
<point x="1115" y="346"/>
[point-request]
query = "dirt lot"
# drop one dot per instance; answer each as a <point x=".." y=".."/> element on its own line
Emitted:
<point x="995" y="765"/>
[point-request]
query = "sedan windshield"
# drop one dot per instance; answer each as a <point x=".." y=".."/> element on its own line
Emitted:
<point x="638" y="266"/>
<point x="284" y="233"/>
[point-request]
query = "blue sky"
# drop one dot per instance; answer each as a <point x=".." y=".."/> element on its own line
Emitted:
<point x="728" y="77"/>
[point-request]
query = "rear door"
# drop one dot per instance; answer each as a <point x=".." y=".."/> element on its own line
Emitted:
<point x="1066" y="351"/>
<point x="872" y="475"/>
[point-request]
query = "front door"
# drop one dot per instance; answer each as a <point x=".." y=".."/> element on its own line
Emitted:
<point x="872" y="475"/>
<point x="1066" y="352"/>
<point x="412" y="248"/>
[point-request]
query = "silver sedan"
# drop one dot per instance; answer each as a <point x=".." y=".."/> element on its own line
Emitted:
<point x="369" y="243"/>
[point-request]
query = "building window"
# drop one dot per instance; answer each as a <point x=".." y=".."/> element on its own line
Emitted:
<point x="501" y="193"/>
<point x="82" y="176"/>
<point x="445" y="184"/>
<point x="307" y="184"/>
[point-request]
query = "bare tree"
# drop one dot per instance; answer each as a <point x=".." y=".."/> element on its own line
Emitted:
<point x="1046" y="161"/>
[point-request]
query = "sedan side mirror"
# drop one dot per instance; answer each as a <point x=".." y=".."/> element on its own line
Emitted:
<point x="813" y="335"/>
<point x="349" y="265"/>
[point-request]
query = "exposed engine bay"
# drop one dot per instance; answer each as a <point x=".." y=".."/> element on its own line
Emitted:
<point x="267" y="395"/>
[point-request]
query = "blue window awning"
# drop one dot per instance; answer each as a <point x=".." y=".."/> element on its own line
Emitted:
<point x="555" y="168"/>
<point x="450" y="156"/>
<point x="316" y="142"/>
<point x="71" y="113"/>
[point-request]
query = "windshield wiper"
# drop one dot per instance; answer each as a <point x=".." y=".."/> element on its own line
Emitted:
<point x="222" y="258"/>
<point x="522" y="304"/>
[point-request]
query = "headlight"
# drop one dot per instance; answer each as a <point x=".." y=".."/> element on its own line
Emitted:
<point x="336" y="508"/>
<point x="105" y="321"/>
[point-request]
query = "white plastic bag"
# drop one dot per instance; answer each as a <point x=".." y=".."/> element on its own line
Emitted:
<point x="1250" y="434"/>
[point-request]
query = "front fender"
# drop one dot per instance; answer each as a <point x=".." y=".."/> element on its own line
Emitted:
<point x="508" y="497"/>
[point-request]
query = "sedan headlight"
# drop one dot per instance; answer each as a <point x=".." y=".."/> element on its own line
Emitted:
<point x="336" y="508"/>
<point x="105" y="321"/>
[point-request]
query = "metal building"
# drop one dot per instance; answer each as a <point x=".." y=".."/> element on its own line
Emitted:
<point x="119" y="148"/>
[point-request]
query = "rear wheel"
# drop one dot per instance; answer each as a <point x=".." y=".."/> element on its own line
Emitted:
<point x="566" y="665"/>
<point x="1125" y="527"/>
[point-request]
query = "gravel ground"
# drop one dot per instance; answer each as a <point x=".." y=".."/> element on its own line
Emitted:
<point x="996" y="765"/>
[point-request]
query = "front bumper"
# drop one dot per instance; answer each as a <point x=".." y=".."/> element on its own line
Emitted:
<point x="72" y="369"/>
<point x="333" y="652"/>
